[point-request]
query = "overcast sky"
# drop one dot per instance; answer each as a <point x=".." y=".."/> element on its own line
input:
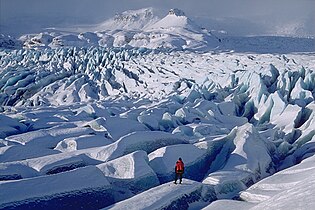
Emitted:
<point x="20" y="15"/>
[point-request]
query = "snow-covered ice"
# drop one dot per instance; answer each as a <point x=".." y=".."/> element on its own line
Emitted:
<point x="166" y="196"/>
<point x="291" y="188"/>
<point x="97" y="118"/>
<point x="58" y="191"/>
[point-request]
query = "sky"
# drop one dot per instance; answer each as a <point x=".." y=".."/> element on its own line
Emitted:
<point x="244" y="17"/>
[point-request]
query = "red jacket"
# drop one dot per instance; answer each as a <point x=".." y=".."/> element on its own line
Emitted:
<point x="179" y="167"/>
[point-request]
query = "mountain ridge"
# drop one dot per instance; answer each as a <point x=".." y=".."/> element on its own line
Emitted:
<point x="144" y="29"/>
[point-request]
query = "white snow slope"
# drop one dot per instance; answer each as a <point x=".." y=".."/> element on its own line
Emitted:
<point x="88" y="127"/>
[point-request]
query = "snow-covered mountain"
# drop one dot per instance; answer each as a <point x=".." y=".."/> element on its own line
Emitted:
<point x="174" y="19"/>
<point x="130" y="20"/>
<point x="144" y="28"/>
<point x="85" y="125"/>
<point x="134" y="28"/>
<point x="177" y="31"/>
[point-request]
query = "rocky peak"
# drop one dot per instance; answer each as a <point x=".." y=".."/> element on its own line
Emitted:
<point x="176" y="12"/>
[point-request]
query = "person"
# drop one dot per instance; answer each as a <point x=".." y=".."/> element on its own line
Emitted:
<point x="179" y="170"/>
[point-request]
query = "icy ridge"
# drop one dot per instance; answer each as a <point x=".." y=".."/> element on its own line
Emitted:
<point x="234" y="118"/>
<point x="96" y="73"/>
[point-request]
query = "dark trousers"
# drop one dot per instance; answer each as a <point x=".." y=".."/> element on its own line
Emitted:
<point x="180" y="176"/>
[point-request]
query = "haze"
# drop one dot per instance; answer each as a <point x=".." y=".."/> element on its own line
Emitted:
<point x="238" y="17"/>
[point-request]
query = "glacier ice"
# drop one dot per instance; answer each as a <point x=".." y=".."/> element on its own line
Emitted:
<point x="246" y="158"/>
<point x="166" y="196"/>
<point x="131" y="172"/>
<point x="234" y="118"/>
<point x="89" y="189"/>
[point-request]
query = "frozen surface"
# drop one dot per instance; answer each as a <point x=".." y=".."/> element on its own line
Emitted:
<point x="42" y="191"/>
<point x="131" y="171"/>
<point x="165" y="196"/>
<point x="291" y="188"/>
<point x="106" y="112"/>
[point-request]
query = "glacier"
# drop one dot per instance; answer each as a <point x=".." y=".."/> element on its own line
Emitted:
<point x="92" y="107"/>
<point x="97" y="119"/>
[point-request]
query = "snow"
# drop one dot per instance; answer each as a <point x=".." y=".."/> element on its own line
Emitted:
<point x="130" y="20"/>
<point x="145" y="140"/>
<point x="248" y="161"/>
<point x="228" y="204"/>
<point x="175" y="18"/>
<point x="163" y="196"/>
<point x="10" y="126"/>
<point x="98" y="117"/>
<point x="162" y="160"/>
<point x="82" y="142"/>
<point x="41" y="189"/>
<point x="20" y="152"/>
<point x="147" y="28"/>
<point x="130" y="171"/>
<point x="291" y="188"/>
<point x="47" y="138"/>
<point x="121" y="171"/>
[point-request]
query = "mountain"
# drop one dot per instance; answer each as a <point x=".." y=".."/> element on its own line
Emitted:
<point x="133" y="28"/>
<point x="144" y="28"/>
<point x="175" y="19"/>
<point x="178" y="31"/>
<point x="129" y="20"/>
